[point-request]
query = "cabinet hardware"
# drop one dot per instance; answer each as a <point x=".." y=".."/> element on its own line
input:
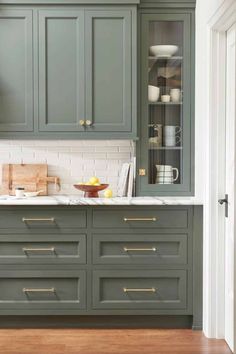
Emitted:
<point x="82" y="122"/>
<point x="141" y="290"/>
<point x="140" y="219"/>
<point x="51" y="249"/>
<point x="142" y="172"/>
<point x="38" y="219"/>
<point x="226" y="202"/>
<point x="39" y="290"/>
<point x="88" y="122"/>
<point x="153" y="249"/>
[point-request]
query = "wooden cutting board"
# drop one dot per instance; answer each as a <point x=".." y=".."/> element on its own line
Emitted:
<point x="33" y="177"/>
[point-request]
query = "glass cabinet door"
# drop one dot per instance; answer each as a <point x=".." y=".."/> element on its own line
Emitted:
<point x="166" y="105"/>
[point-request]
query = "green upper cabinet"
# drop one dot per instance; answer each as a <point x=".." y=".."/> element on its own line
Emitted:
<point x="166" y="147"/>
<point x="108" y="82"/>
<point x="61" y="70"/>
<point x="16" y="71"/>
<point x="68" y="72"/>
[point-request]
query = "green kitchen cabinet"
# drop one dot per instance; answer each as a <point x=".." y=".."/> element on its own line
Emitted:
<point x="16" y="71"/>
<point x="68" y="72"/>
<point x="61" y="70"/>
<point x="108" y="52"/>
<point x="166" y="87"/>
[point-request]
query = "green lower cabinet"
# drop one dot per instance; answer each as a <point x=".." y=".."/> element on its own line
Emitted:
<point x="140" y="249"/>
<point x="45" y="290"/>
<point x="43" y="249"/>
<point x="150" y="289"/>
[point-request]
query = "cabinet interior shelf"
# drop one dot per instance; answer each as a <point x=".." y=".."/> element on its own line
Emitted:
<point x="164" y="103"/>
<point x="153" y="147"/>
<point x="165" y="58"/>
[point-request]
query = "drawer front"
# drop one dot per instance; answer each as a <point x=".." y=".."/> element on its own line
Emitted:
<point x="149" y="289"/>
<point x="128" y="218"/>
<point x="42" y="290"/>
<point x="42" y="218"/>
<point x="140" y="249"/>
<point x="42" y="249"/>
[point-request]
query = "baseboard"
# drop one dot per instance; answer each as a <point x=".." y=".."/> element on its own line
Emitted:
<point x="96" y="322"/>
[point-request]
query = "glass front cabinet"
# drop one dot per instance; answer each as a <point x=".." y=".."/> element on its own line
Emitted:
<point x="165" y="150"/>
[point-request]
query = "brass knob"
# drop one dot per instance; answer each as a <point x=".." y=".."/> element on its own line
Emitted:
<point x="88" y="122"/>
<point x="82" y="122"/>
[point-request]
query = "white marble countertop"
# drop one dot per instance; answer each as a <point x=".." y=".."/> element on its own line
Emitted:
<point x="76" y="200"/>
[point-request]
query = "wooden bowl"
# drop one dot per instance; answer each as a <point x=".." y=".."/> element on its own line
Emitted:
<point x="91" y="191"/>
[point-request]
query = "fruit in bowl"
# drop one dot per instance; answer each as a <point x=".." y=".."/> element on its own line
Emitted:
<point x="91" y="188"/>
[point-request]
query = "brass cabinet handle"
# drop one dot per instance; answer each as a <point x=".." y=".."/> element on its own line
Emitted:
<point x="153" y="249"/>
<point x="38" y="219"/>
<point x="26" y="249"/>
<point x="139" y="290"/>
<point x="88" y="122"/>
<point x="39" y="290"/>
<point x="140" y="219"/>
<point x="82" y="122"/>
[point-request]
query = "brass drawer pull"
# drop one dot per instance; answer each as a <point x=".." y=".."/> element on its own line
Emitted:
<point x="153" y="249"/>
<point x="39" y="290"/>
<point x="38" y="219"/>
<point x="51" y="249"/>
<point x="139" y="290"/>
<point x="140" y="219"/>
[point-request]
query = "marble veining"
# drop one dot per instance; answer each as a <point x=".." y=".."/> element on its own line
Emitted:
<point x="75" y="200"/>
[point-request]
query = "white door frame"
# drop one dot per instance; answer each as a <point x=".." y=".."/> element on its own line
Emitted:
<point x="213" y="303"/>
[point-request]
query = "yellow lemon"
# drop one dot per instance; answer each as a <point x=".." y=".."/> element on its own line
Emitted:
<point x="108" y="193"/>
<point x="93" y="180"/>
<point x="97" y="184"/>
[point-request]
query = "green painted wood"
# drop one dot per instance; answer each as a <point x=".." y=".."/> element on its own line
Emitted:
<point x="16" y="70"/>
<point x="23" y="249"/>
<point x="61" y="70"/>
<point x="163" y="218"/>
<point x="169" y="249"/>
<point x="69" y="289"/>
<point x="187" y="185"/>
<point x="62" y="218"/>
<point x="70" y="2"/>
<point x="108" y="70"/>
<point x="170" y="285"/>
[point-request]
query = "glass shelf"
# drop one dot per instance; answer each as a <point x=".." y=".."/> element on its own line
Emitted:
<point x="153" y="147"/>
<point x="165" y="103"/>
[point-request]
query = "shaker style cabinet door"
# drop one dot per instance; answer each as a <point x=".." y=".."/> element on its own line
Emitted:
<point x="108" y="42"/>
<point x="167" y="105"/>
<point x="61" y="70"/>
<point x="16" y="71"/>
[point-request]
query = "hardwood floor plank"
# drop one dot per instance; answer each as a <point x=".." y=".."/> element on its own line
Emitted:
<point x="108" y="341"/>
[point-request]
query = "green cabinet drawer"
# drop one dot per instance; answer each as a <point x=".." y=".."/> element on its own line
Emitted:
<point x="43" y="249"/>
<point x="145" y="218"/>
<point x="42" y="290"/>
<point x="146" y="289"/>
<point x="140" y="249"/>
<point x="42" y="218"/>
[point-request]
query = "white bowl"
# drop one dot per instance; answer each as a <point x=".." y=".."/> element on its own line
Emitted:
<point x="163" y="50"/>
<point x="31" y="194"/>
<point x="153" y="93"/>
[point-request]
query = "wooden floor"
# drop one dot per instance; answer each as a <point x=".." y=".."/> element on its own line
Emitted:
<point x="113" y="341"/>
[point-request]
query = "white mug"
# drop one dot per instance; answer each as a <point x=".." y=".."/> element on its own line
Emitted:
<point x="171" y="130"/>
<point x="153" y="93"/>
<point x="175" y="95"/>
<point x="165" y="98"/>
<point x="171" y="140"/>
<point x="165" y="174"/>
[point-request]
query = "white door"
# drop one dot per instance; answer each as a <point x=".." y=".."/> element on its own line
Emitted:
<point x="230" y="180"/>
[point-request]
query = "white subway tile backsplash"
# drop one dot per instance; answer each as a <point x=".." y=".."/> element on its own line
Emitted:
<point x="71" y="160"/>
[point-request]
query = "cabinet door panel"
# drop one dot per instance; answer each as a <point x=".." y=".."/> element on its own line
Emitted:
<point x="16" y="77"/>
<point x="61" y="70"/>
<point x="108" y="70"/>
